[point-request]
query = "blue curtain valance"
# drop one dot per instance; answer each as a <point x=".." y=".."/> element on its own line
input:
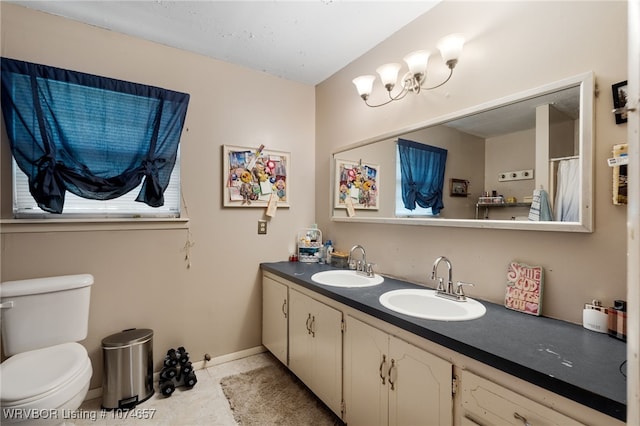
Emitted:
<point x="94" y="136"/>
<point x="422" y="175"/>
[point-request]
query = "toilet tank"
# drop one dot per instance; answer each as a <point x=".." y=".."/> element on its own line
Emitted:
<point x="42" y="312"/>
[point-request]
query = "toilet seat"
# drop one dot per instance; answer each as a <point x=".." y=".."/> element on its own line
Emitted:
<point x="45" y="378"/>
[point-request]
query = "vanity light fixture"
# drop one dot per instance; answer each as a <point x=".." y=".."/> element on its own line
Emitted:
<point x="413" y="80"/>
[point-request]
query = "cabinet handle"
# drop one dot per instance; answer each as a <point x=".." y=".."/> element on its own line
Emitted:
<point x="382" y="363"/>
<point x="284" y="308"/>
<point x="522" y="419"/>
<point x="313" y="327"/>
<point x="308" y="324"/>
<point x="393" y="366"/>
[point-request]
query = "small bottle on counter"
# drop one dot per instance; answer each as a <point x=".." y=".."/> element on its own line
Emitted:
<point x="618" y="320"/>
<point x="328" y="249"/>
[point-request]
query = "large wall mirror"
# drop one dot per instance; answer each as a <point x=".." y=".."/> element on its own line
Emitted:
<point x="520" y="162"/>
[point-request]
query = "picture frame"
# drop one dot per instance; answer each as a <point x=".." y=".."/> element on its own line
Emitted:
<point x="620" y="100"/>
<point x="459" y="188"/>
<point x="252" y="177"/>
<point x="357" y="181"/>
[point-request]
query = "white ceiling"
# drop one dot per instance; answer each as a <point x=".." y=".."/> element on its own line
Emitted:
<point x="305" y="40"/>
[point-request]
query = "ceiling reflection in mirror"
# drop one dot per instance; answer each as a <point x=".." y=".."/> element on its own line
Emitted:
<point x="520" y="162"/>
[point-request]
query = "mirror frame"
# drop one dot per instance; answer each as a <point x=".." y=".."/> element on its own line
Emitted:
<point x="586" y="83"/>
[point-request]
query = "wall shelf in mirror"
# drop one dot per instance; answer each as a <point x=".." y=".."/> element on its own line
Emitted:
<point x="547" y="130"/>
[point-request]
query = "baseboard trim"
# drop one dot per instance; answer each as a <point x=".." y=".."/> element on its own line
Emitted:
<point x="199" y="365"/>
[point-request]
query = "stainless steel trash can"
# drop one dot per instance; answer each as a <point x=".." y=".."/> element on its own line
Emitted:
<point x="128" y="368"/>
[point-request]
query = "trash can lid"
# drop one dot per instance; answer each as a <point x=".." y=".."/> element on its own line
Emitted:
<point x="128" y="337"/>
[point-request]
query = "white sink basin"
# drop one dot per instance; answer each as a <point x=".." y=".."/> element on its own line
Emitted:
<point x="423" y="303"/>
<point x="346" y="278"/>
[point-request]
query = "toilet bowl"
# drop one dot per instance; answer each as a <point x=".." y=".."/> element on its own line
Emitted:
<point x="46" y="375"/>
<point x="44" y="386"/>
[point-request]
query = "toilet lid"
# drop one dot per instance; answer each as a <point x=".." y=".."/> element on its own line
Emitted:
<point x="37" y="372"/>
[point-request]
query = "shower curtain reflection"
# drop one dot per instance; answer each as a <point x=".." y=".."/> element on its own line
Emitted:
<point x="567" y="200"/>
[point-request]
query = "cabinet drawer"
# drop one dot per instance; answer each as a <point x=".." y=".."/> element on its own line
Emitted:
<point x="487" y="403"/>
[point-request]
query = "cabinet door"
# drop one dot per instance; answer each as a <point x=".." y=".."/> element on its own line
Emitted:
<point x="326" y="333"/>
<point x="365" y="374"/>
<point x="274" y="318"/>
<point x="315" y="347"/>
<point x="300" y="344"/>
<point x="420" y="388"/>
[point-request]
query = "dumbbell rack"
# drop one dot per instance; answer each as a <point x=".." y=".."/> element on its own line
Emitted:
<point x="177" y="371"/>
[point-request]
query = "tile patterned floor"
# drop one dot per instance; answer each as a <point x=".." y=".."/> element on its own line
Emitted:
<point x="204" y="404"/>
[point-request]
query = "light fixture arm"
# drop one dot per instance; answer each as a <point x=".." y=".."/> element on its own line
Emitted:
<point x="438" y="85"/>
<point x="392" y="98"/>
<point x="409" y="84"/>
<point x="414" y="80"/>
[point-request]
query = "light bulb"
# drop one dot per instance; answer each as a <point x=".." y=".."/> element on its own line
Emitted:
<point x="388" y="75"/>
<point x="450" y="48"/>
<point x="417" y="62"/>
<point x="364" y="85"/>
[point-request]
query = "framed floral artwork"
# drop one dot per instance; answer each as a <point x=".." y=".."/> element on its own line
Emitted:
<point x="356" y="182"/>
<point x="254" y="176"/>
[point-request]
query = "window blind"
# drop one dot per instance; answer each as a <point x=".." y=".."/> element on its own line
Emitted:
<point x="84" y="136"/>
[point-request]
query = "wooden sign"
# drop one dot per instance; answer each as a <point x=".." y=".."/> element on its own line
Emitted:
<point x="524" y="288"/>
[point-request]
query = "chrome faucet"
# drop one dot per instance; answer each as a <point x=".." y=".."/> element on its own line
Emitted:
<point x="361" y="266"/>
<point x="434" y="275"/>
<point x="448" y="292"/>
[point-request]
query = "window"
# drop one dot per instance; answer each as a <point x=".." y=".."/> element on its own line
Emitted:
<point x="89" y="145"/>
<point x="401" y="210"/>
<point x="25" y="207"/>
<point x="422" y="175"/>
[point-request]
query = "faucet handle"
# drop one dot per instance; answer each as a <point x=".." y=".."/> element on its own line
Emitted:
<point x="440" y="284"/>
<point x="369" y="269"/>
<point x="459" y="286"/>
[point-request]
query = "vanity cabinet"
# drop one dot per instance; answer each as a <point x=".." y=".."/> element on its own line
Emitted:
<point x="305" y="335"/>
<point x="487" y="403"/>
<point x="388" y="381"/>
<point x="315" y="347"/>
<point x="373" y="373"/>
<point x="275" y="311"/>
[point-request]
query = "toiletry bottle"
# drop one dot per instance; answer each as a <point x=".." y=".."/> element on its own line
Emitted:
<point x="328" y="250"/>
<point x="618" y="320"/>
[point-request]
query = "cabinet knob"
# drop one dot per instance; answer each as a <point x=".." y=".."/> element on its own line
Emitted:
<point x="308" y="324"/>
<point x="382" y="363"/>
<point x="393" y="366"/>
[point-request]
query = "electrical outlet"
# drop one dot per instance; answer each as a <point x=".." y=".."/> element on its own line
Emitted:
<point x="262" y="227"/>
<point x="515" y="175"/>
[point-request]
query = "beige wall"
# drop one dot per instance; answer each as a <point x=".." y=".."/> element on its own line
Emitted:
<point x="141" y="279"/>
<point x="512" y="47"/>
<point x="214" y="307"/>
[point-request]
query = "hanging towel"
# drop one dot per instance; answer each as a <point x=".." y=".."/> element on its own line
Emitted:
<point x="540" y="208"/>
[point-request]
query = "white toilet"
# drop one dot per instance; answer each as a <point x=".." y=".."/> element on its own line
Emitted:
<point x="47" y="374"/>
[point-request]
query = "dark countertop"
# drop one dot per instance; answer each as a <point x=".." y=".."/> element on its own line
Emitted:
<point x="562" y="357"/>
